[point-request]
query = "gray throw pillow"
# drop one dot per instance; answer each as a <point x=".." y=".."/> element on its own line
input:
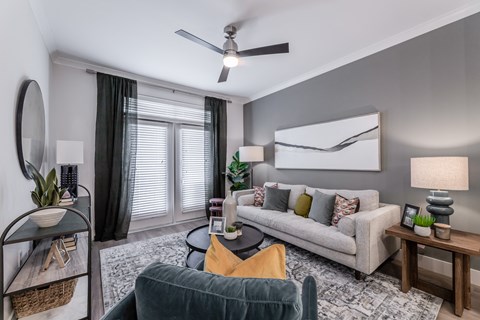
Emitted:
<point x="276" y="199"/>
<point x="322" y="207"/>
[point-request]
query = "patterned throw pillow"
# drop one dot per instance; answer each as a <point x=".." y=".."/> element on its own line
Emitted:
<point x="259" y="195"/>
<point x="344" y="207"/>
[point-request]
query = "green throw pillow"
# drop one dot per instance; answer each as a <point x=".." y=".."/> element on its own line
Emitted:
<point x="302" y="207"/>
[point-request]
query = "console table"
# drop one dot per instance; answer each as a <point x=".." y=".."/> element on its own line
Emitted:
<point x="462" y="245"/>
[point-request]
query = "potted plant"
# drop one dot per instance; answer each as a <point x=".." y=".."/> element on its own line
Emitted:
<point x="230" y="233"/>
<point x="47" y="193"/>
<point x="423" y="225"/>
<point x="237" y="173"/>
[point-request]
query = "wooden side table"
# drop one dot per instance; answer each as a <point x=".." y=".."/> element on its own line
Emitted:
<point x="462" y="245"/>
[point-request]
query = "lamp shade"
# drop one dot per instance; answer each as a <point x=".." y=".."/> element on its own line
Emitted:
<point x="69" y="152"/>
<point x="251" y="154"/>
<point x="441" y="173"/>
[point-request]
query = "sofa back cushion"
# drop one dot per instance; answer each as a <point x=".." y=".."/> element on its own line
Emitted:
<point x="369" y="199"/>
<point x="296" y="190"/>
<point x="170" y="292"/>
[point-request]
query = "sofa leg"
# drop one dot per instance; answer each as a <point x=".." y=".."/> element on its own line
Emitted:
<point x="360" y="275"/>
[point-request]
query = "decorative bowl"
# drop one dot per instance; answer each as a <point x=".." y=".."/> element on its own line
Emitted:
<point x="230" y="235"/>
<point x="48" y="217"/>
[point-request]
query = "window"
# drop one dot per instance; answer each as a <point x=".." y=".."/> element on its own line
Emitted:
<point x="169" y="178"/>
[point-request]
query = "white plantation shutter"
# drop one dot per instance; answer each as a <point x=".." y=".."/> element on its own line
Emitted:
<point x="150" y="193"/>
<point x="192" y="168"/>
<point x="162" y="168"/>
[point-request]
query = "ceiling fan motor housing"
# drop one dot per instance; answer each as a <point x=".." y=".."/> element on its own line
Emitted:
<point x="230" y="46"/>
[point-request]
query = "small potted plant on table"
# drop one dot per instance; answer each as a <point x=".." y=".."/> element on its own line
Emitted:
<point x="230" y="233"/>
<point x="423" y="225"/>
<point x="47" y="193"/>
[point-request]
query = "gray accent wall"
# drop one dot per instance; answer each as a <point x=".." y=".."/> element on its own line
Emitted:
<point x="428" y="93"/>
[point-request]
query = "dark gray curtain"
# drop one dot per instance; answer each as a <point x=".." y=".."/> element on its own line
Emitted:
<point x="215" y="148"/>
<point x="115" y="150"/>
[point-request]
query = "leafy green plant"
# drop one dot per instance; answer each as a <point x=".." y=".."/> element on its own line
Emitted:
<point x="423" y="220"/>
<point x="47" y="192"/>
<point x="237" y="173"/>
<point x="231" y="229"/>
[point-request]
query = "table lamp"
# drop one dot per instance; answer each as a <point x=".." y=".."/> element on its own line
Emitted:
<point x="251" y="154"/>
<point x="442" y="174"/>
<point x="69" y="154"/>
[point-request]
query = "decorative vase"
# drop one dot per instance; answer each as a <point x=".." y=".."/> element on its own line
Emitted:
<point x="48" y="217"/>
<point x="229" y="209"/>
<point x="230" y="235"/>
<point x="422" y="231"/>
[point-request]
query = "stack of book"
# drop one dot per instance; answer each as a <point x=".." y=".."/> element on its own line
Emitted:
<point x="66" y="202"/>
<point x="70" y="241"/>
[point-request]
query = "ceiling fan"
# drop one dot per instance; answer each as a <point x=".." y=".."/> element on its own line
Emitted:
<point x="230" y="49"/>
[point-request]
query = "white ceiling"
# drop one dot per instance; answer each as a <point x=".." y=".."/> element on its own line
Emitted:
<point x="138" y="36"/>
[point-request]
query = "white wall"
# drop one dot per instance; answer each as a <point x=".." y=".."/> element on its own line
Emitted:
<point x="73" y="113"/>
<point x="72" y="117"/>
<point x="23" y="56"/>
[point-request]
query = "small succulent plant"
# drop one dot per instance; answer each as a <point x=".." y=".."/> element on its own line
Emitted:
<point x="231" y="229"/>
<point x="47" y="192"/>
<point x="423" y="220"/>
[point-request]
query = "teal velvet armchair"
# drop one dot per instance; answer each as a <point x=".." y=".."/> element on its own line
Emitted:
<point x="166" y="292"/>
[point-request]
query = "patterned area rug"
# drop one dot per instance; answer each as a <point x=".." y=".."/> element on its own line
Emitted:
<point x="340" y="296"/>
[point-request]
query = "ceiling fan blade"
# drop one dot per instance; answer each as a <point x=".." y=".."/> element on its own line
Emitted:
<point x="224" y="74"/>
<point x="276" y="48"/>
<point x="196" y="39"/>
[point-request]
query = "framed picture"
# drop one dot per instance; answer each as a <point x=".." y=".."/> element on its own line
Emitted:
<point x="408" y="213"/>
<point x="217" y="225"/>
<point x="346" y="144"/>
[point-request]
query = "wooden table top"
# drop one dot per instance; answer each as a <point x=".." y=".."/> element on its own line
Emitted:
<point x="460" y="241"/>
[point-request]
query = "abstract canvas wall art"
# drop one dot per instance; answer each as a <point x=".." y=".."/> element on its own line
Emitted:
<point x="347" y="144"/>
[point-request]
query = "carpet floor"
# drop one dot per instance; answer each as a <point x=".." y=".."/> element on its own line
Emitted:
<point x="340" y="296"/>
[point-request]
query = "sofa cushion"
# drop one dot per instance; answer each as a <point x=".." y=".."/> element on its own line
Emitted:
<point x="171" y="292"/>
<point x="304" y="203"/>
<point x="322" y="208"/>
<point x="295" y="191"/>
<point x="246" y="200"/>
<point x="259" y="194"/>
<point x="288" y="222"/>
<point x="344" y="207"/>
<point x="276" y="199"/>
<point x="346" y="225"/>
<point x="369" y="199"/>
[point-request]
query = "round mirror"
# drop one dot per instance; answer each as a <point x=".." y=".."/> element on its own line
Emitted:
<point x="30" y="126"/>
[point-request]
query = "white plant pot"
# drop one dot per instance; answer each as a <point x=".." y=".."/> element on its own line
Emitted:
<point x="230" y="235"/>
<point x="48" y="217"/>
<point x="422" y="231"/>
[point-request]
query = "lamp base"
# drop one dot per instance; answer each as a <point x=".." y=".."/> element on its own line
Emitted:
<point x="440" y="206"/>
<point x="69" y="179"/>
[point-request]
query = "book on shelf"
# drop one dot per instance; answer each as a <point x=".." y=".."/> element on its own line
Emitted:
<point x="66" y="202"/>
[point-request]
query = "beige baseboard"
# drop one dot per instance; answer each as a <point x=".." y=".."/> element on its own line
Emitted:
<point x="439" y="266"/>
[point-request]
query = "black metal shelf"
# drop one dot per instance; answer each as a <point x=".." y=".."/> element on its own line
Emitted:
<point x="76" y="220"/>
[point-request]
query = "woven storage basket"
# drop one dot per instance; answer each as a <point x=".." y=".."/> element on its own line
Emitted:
<point x="42" y="299"/>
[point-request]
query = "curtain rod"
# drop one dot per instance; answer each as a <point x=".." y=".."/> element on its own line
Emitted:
<point x="91" y="71"/>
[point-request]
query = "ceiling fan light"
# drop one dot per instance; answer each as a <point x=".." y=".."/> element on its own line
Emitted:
<point x="230" y="60"/>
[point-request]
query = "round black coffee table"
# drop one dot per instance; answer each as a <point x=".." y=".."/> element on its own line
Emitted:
<point x="198" y="240"/>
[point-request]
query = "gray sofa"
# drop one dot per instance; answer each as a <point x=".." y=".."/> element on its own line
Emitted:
<point x="358" y="242"/>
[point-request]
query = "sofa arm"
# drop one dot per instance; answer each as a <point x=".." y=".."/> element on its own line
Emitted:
<point x="239" y="193"/>
<point x="125" y="309"/>
<point x="309" y="299"/>
<point x="373" y="246"/>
